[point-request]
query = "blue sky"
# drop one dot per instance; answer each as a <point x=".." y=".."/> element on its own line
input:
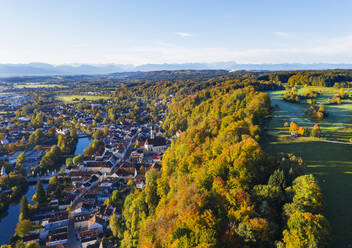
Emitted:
<point x="147" y="31"/>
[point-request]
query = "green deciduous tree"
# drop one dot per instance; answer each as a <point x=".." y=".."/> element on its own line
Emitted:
<point x="69" y="162"/>
<point x="116" y="227"/>
<point x="20" y="159"/>
<point x="37" y="137"/>
<point x="316" y="132"/>
<point x="306" y="230"/>
<point x="78" y="159"/>
<point x="23" y="227"/>
<point x="32" y="244"/>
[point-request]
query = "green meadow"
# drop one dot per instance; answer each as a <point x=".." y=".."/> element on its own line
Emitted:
<point x="38" y="85"/>
<point x="72" y="98"/>
<point x="330" y="162"/>
<point x="337" y="126"/>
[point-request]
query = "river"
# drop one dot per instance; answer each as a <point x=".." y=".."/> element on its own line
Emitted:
<point x="9" y="222"/>
<point x="82" y="144"/>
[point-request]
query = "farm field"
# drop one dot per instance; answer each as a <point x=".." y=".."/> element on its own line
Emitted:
<point x="71" y="98"/>
<point x="38" y="85"/>
<point x="331" y="163"/>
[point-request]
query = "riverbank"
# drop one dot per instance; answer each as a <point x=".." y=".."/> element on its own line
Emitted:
<point x="9" y="221"/>
<point x="82" y="144"/>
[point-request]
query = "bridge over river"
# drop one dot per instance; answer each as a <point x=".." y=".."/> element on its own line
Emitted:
<point x="9" y="219"/>
<point x="31" y="180"/>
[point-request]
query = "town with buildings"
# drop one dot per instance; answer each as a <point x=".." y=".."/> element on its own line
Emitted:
<point x="93" y="182"/>
<point x="175" y="124"/>
<point x="116" y="157"/>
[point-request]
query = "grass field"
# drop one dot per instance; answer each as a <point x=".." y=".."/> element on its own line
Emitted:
<point x="70" y="98"/>
<point x="331" y="163"/>
<point x="324" y="90"/>
<point x="38" y="85"/>
<point x="336" y="126"/>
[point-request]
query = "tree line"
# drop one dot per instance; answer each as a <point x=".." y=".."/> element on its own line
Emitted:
<point x="218" y="188"/>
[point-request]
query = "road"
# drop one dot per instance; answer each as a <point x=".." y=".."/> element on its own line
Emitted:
<point x="335" y="142"/>
<point x="72" y="233"/>
<point x="73" y="241"/>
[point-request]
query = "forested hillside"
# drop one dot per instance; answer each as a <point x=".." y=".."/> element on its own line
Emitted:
<point x="217" y="188"/>
<point x="326" y="78"/>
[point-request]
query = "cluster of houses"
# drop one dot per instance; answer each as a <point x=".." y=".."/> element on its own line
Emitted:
<point x="80" y="217"/>
<point x="17" y="127"/>
<point x="10" y="102"/>
<point x="7" y="121"/>
<point x="80" y="226"/>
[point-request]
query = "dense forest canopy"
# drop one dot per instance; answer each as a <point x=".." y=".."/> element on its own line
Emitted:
<point x="178" y="81"/>
<point x="217" y="188"/>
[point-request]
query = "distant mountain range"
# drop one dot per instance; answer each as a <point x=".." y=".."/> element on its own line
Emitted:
<point x="36" y="69"/>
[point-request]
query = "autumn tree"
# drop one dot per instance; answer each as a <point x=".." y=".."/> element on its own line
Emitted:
<point x="20" y="159"/>
<point x="306" y="230"/>
<point x="212" y="189"/>
<point x="106" y="131"/>
<point x="316" y="132"/>
<point x="37" y="137"/>
<point x="32" y="244"/>
<point x="293" y="127"/>
<point x="23" y="227"/>
<point x="98" y="134"/>
<point x="301" y="131"/>
<point x="111" y="114"/>
<point x="115" y="225"/>
<point x="77" y="159"/>
<point x="20" y="244"/>
<point x="69" y="163"/>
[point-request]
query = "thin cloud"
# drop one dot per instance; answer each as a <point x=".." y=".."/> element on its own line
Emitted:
<point x="325" y="49"/>
<point x="182" y="34"/>
<point x="282" y="35"/>
<point x="333" y="50"/>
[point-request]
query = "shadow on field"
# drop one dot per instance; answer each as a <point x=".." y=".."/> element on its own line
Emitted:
<point x="332" y="164"/>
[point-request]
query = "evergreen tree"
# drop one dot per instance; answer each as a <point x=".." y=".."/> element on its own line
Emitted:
<point x="277" y="179"/>
<point x="24" y="209"/>
<point x="40" y="194"/>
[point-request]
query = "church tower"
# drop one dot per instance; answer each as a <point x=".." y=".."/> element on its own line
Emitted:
<point x="3" y="172"/>
<point x="152" y="133"/>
